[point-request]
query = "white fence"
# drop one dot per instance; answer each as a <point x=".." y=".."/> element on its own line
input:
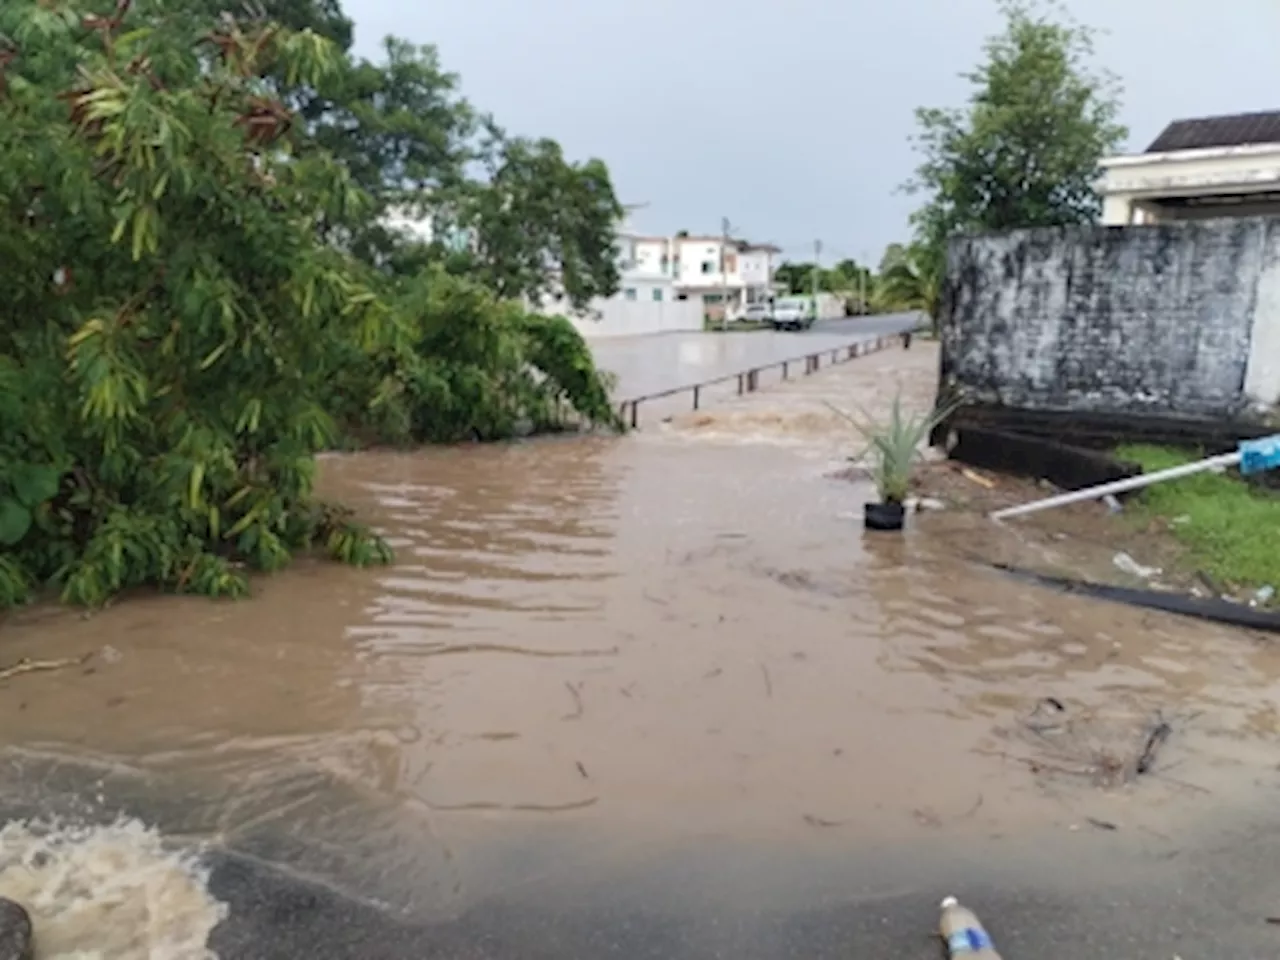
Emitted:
<point x="635" y="318"/>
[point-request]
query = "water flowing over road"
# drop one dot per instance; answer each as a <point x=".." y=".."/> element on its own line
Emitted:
<point x="651" y="696"/>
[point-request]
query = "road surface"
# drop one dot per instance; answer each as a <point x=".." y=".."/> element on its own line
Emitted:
<point x="1088" y="895"/>
<point x="646" y="365"/>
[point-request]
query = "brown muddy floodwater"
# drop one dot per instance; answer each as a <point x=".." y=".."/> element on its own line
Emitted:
<point x="631" y="642"/>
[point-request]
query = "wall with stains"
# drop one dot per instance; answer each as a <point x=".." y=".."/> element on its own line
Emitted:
<point x="1175" y="319"/>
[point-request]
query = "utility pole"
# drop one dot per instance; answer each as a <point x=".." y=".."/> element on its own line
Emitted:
<point x="725" y="227"/>
<point x="817" y="260"/>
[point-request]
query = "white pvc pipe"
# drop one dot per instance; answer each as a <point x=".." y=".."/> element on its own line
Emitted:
<point x="1119" y="486"/>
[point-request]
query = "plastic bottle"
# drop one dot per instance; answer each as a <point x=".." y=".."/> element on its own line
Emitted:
<point x="963" y="933"/>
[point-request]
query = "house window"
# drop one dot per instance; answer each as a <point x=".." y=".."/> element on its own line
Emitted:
<point x="629" y="293"/>
<point x="666" y="263"/>
<point x="708" y="266"/>
<point x="657" y="294"/>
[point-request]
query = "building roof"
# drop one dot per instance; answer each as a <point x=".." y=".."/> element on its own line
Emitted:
<point x="1236" y="130"/>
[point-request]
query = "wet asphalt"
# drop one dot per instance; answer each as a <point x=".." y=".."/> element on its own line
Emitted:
<point x="1061" y="897"/>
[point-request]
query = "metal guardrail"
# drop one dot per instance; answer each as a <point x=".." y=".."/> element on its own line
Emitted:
<point x="749" y="380"/>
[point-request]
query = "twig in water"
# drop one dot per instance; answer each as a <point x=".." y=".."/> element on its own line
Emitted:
<point x="34" y="666"/>
<point x="1154" y="741"/>
<point x="977" y="478"/>
<point x="1101" y="824"/>
<point x="582" y="770"/>
<point x="972" y="810"/>
<point x="768" y="681"/>
<point x="576" y="693"/>
<point x="813" y="821"/>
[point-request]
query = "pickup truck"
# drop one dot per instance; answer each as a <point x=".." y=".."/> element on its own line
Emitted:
<point x="792" y="315"/>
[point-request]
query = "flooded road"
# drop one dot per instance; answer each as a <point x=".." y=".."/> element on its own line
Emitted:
<point x="591" y="658"/>
<point x="645" y="365"/>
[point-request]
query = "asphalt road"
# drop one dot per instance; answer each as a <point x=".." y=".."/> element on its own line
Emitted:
<point x="1076" y="896"/>
<point x="646" y="365"/>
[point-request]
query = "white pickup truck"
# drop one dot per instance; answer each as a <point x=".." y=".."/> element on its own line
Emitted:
<point x="792" y="313"/>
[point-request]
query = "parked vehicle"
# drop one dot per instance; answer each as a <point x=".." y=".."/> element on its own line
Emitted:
<point x="792" y="314"/>
<point x="757" y="313"/>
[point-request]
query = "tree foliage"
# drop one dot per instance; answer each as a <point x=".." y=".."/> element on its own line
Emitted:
<point x="182" y="335"/>
<point x="545" y="226"/>
<point x="1025" y="149"/>
<point x="910" y="278"/>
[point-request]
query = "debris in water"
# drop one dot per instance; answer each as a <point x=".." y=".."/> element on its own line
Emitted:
<point x="575" y="691"/>
<point x="1101" y="824"/>
<point x="1151" y="745"/>
<point x="819" y="822"/>
<point x="978" y="478"/>
<point x="1126" y="564"/>
<point x="15" y="931"/>
<point x="26" y="665"/>
<point x="768" y="680"/>
<point x="1263" y="595"/>
<point x="963" y="933"/>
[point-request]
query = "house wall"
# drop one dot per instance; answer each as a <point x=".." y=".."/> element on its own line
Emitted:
<point x="1127" y="180"/>
<point x="693" y="252"/>
<point x="652" y="257"/>
<point x="1177" y="319"/>
<point x="756" y="267"/>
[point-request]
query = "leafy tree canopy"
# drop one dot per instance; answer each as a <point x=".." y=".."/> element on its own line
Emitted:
<point x="1025" y="148"/>
<point x="189" y="319"/>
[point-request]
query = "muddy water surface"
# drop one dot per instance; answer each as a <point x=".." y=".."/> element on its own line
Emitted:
<point x="591" y="650"/>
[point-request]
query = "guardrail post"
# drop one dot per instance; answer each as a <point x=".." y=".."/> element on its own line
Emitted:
<point x="753" y="380"/>
<point x="635" y="409"/>
<point x="697" y="390"/>
<point x="740" y="384"/>
<point x="906" y="339"/>
<point x="784" y="370"/>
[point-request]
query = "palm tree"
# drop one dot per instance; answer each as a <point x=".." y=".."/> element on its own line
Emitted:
<point x="911" y="279"/>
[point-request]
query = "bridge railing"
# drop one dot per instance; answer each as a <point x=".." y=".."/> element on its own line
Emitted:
<point x="748" y="381"/>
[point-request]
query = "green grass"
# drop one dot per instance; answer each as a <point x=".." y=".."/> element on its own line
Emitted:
<point x="1230" y="530"/>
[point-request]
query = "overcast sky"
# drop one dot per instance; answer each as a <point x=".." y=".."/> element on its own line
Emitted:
<point x="793" y="117"/>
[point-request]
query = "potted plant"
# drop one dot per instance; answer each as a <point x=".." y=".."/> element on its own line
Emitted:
<point x="893" y="449"/>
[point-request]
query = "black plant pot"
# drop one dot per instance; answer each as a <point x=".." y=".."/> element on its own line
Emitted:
<point x="883" y="516"/>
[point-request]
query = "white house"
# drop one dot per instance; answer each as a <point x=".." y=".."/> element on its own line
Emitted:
<point x="722" y="274"/>
<point x="1197" y="169"/>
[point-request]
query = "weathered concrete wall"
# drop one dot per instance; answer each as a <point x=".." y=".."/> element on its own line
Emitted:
<point x="1178" y="319"/>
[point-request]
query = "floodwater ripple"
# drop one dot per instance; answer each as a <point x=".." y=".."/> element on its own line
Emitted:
<point x="679" y="633"/>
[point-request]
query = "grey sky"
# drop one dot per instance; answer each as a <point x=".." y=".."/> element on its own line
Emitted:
<point x="792" y="117"/>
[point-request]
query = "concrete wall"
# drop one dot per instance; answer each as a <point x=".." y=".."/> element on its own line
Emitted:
<point x="1178" y="319"/>
<point x="634" y="318"/>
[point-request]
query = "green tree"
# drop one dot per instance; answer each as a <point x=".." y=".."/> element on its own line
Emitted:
<point x="170" y="309"/>
<point x="909" y="279"/>
<point x="1025" y="150"/>
<point x="405" y="134"/>
<point x="542" y="225"/>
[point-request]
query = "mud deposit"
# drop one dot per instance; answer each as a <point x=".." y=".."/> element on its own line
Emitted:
<point x="650" y="697"/>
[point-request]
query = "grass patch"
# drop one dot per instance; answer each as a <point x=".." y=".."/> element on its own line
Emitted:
<point x="1228" y="527"/>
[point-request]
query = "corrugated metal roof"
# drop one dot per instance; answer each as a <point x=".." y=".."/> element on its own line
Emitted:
<point x="1232" y="131"/>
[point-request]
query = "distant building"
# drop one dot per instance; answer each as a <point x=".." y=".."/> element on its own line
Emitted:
<point x="702" y="268"/>
<point x="1196" y="169"/>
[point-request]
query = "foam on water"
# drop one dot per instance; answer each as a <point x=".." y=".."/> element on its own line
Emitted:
<point x="116" y="892"/>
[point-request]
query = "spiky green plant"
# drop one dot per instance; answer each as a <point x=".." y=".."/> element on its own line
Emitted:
<point x="894" y="446"/>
